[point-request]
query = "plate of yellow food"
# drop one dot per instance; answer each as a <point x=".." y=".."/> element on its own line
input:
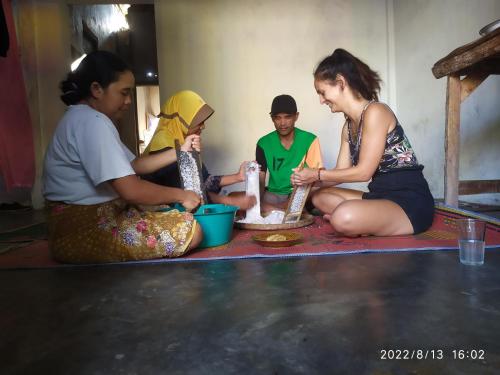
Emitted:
<point x="278" y="239"/>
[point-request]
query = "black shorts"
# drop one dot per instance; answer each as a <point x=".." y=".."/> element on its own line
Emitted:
<point x="409" y="190"/>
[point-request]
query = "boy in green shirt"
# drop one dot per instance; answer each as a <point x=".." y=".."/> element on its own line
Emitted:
<point x="281" y="150"/>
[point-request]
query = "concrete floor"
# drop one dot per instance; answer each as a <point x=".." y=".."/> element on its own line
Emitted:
<point x="14" y="220"/>
<point x="312" y="315"/>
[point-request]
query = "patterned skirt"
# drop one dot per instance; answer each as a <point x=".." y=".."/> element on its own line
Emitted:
<point x="116" y="231"/>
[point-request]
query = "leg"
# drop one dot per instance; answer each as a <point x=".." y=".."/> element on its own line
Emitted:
<point x="266" y="208"/>
<point x="271" y="201"/>
<point x="378" y="217"/>
<point x="327" y="199"/>
<point x="197" y="237"/>
<point x="115" y="231"/>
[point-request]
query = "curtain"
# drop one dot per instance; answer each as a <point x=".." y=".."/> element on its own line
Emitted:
<point x="17" y="158"/>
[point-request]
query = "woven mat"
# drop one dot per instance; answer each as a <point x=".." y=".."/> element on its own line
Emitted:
<point x="318" y="239"/>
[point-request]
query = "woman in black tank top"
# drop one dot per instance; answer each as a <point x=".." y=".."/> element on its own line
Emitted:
<point x="373" y="148"/>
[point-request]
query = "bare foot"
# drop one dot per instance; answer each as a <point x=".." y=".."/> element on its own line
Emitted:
<point x="327" y="217"/>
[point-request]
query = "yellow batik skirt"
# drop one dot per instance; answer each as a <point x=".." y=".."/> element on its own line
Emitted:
<point x="116" y="231"/>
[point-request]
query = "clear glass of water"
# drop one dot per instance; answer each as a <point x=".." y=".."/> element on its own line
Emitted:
<point x="471" y="241"/>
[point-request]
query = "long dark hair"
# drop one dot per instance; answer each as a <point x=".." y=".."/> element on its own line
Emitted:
<point x="360" y="77"/>
<point x="99" y="66"/>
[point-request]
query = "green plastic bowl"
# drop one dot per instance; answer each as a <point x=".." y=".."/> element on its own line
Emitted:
<point x="216" y="221"/>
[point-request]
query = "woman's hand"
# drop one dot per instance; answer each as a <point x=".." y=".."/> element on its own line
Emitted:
<point x="247" y="202"/>
<point x="242" y="173"/>
<point x="191" y="200"/>
<point x="304" y="176"/>
<point x="192" y="142"/>
<point x="236" y="198"/>
<point x="239" y="176"/>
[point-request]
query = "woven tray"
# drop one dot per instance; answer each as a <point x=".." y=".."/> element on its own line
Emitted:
<point x="305" y="220"/>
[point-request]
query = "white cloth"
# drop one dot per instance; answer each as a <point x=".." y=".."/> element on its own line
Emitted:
<point x="252" y="188"/>
<point x="85" y="153"/>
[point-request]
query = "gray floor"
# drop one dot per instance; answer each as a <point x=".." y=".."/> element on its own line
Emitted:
<point x="311" y="315"/>
<point x="14" y="220"/>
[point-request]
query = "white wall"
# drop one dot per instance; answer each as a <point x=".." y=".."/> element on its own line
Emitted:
<point x="238" y="55"/>
<point x="44" y="43"/>
<point x="424" y="32"/>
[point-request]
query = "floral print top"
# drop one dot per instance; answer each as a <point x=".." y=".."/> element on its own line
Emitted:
<point x="398" y="153"/>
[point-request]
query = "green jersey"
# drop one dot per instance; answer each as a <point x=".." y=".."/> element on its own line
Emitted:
<point x="272" y="156"/>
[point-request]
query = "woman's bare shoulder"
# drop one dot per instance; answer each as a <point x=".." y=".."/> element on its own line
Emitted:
<point x="379" y="109"/>
<point x="378" y="113"/>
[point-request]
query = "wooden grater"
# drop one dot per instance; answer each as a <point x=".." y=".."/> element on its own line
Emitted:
<point x="189" y="164"/>
<point x="297" y="201"/>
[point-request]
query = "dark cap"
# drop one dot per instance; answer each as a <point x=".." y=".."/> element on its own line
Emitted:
<point x="283" y="104"/>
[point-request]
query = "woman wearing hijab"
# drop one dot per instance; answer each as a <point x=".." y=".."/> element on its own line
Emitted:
<point x="182" y="115"/>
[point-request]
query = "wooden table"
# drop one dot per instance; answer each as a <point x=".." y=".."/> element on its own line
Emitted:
<point x="475" y="61"/>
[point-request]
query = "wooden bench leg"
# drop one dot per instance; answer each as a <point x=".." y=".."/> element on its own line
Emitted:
<point x="452" y="140"/>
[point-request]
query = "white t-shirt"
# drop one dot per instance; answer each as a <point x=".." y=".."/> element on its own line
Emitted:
<point x="83" y="155"/>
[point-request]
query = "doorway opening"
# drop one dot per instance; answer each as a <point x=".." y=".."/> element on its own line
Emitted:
<point x="130" y="32"/>
<point x="148" y="106"/>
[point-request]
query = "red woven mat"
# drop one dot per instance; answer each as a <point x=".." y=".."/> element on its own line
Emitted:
<point x="318" y="239"/>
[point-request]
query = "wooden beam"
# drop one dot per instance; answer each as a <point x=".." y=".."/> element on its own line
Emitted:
<point x="468" y="55"/>
<point x="452" y="140"/>
<point x="468" y="187"/>
<point x="470" y="83"/>
<point x="490" y="65"/>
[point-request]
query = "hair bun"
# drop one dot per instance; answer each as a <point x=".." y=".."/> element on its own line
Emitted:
<point x="71" y="97"/>
<point x="70" y="93"/>
<point x="99" y="66"/>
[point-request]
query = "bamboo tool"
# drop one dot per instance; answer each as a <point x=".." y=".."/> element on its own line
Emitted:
<point x="297" y="201"/>
<point x="189" y="163"/>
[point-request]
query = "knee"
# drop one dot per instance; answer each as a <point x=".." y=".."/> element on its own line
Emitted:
<point x="197" y="237"/>
<point x="343" y="221"/>
<point x="318" y="200"/>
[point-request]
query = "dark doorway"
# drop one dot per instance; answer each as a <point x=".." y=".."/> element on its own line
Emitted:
<point x="134" y="39"/>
